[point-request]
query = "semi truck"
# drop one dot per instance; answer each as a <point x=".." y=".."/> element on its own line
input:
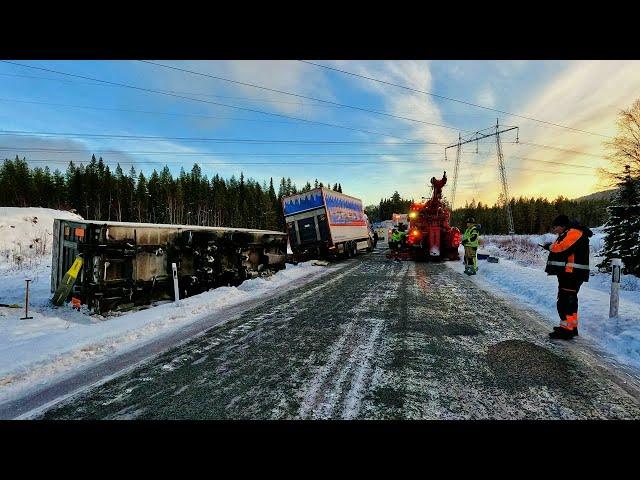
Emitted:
<point x="108" y="265"/>
<point x="323" y="223"/>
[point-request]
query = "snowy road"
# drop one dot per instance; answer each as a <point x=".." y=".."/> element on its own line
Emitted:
<point x="376" y="339"/>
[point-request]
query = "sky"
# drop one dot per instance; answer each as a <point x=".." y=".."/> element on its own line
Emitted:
<point x="381" y="138"/>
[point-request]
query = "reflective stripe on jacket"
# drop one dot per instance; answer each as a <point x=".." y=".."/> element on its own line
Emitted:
<point x="470" y="237"/>
<point x="569" y="255"/>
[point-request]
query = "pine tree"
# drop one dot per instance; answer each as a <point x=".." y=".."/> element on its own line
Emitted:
<point x="141" y="198"/>
<point x="622" y="230"/>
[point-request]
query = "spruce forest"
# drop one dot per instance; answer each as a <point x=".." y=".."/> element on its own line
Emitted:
<point x="97" y="193"/>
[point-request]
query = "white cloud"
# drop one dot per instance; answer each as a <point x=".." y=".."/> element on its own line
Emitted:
<point x="285" y="75"/>
<point x="486" y="97"/>
<point x="587" y="95"/>
<point x="410" y="179"/>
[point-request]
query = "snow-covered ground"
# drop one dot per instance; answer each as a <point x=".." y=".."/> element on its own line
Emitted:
<point x="520" y="276"/>
<point x="59" y="340"/>
<point x="26" y="237"/>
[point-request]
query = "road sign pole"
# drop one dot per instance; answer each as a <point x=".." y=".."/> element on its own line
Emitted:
<point x="176" y="290"/>
<point x="26" y="303"/>
<point x="616" y="265"/>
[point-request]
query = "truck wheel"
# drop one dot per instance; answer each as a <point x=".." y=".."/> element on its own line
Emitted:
<point x="349" y="249"/>
<point x="355" y="249"/>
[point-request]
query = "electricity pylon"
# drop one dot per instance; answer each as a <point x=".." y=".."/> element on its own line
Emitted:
<point x="479" y="135"/>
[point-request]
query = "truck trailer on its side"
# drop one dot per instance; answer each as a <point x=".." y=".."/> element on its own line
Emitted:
<point x="324" y="223"/>
<point x="120" y="264"/>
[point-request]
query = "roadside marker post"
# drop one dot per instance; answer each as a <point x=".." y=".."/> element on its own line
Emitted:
<point x="176" y="291"/>
<point x="616" y="265"/>
<point x="26" y="303"/>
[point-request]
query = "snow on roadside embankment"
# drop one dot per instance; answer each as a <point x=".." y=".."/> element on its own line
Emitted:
<point x="58" y="340"/>
<point x="520" y="276"/>
<point x="26" y="237"/>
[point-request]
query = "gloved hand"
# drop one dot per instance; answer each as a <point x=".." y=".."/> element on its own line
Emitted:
<point x="547" y="246"/>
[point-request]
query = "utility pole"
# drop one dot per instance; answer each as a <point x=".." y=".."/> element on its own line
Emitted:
<point x="475" y="137"/>
<point x="455" y="172"/>
<point x="503" y="178"/>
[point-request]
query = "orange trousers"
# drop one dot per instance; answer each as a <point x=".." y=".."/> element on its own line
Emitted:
<point x="567" y="303"/>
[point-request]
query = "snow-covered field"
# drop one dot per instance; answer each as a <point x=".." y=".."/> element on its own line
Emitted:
<point x="520" y="276"/>
<point x="59" y="340"/>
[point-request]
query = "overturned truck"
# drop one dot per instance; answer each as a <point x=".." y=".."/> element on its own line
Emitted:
<point x="109" y="265"/>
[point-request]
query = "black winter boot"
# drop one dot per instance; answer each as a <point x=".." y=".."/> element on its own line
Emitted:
<point x="560" y="333"/>
<point x="574" y="331"/>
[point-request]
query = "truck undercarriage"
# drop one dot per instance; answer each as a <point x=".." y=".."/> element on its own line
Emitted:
<point x="128" y="264"/>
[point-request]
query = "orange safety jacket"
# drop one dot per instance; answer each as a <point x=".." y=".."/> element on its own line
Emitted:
<point x="569" y="254"/>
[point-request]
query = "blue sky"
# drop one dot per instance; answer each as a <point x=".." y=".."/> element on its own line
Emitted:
<point x="582" y="94"/>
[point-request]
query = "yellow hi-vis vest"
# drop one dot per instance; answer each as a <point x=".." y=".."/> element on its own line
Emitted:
<point x="470" y="238"/>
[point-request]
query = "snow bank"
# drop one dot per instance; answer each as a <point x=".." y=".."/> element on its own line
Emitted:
<point x="526" y="282"/>
<point x="58" y="340"/>
<point x="26" y="236"/>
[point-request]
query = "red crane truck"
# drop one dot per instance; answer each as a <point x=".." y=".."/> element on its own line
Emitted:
<point x="430" y="236"/>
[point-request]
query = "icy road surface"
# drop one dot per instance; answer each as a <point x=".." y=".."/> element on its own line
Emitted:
<point x="376" y="339"/>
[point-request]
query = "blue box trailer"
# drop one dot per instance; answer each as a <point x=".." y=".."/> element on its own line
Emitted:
<point x="324" y="223"/>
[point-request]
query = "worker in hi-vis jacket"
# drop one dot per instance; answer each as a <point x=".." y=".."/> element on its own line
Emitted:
<point x="470" y="241"/>
<point x="569" y="261"/>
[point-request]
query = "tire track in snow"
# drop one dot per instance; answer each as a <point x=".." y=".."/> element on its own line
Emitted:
<point x="339" y="386"/>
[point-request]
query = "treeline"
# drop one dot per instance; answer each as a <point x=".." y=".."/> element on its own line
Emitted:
<point x="97" y="193"/>
<point x="532" y="215"/>
<point x="387" y="207"/>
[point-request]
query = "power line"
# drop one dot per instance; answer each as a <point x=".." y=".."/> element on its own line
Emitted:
<point x="454" y="99"/>
<point x="31" y="133"/>
<point x="202" y="94"/>
<point x="149" y="90"/>
<point x="199" y="115"/>
<point x="183" y="153"/>
<point x="263" y="141"/>
<point x="255" y="99"/>
<point x="555" y="163"/>
<point x="267" y="164"/>
<point x="536" y="170"/>
<point x="562" y="149"/>
<point x="520" y="142"/>
<point x="336" y="104"/>
<point x="268" y="154"/>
